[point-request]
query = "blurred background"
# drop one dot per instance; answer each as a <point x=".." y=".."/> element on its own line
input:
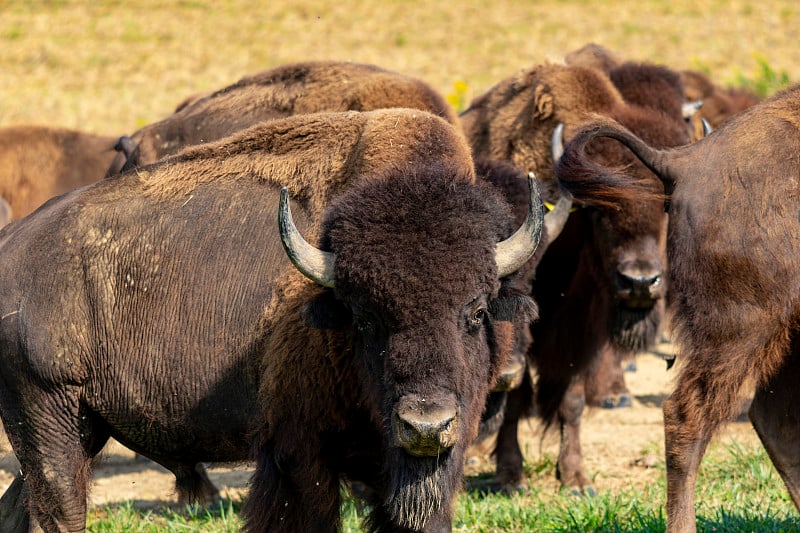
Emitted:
<point x="111" y="67"/>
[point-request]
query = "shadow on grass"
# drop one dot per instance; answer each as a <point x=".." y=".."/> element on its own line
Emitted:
<point x="168" y="511"/>
<point x="651" y="400"/>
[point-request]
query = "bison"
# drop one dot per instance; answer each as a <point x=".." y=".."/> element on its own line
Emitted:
<point x="39" y="162"/>
<point x="284" y="91"/>
<point x="599" y="283"/>
<point x="158" y="308"/>
<point x="297" y="88"/>
<point x="732" y="278"/>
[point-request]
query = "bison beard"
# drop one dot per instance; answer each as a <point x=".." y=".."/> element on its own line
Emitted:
<point x="418" y="487"/>
<point x="635" y="330"/>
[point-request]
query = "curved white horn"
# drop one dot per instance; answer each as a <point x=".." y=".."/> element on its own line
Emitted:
<point x="513" y="252"/>
<point x="690" y="108"/>
<point x="557" y="143"/>
<point x="315" y="264"/>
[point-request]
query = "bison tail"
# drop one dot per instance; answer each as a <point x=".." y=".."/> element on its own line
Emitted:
<point x="590" y="183"/>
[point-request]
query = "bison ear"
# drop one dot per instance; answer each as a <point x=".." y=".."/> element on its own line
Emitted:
<point x="326" y="312"/>
<point x="512" y="304"/>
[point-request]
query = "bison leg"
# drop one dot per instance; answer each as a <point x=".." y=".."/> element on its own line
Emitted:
<point x="605" y="381"/>
<point x="705" y="396"/>
<point x="507" y="452"/>
<point x="686" y="438"/>
<point x="774" y="415"/>
<point x="55" y="441"/>
<point x="192" y="484"/>
<point x="286" y="497"/>
<point x="569" y="469"/>
<point x="14" y="516"/>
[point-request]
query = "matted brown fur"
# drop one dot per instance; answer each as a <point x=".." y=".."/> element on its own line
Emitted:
<point x="733" y="276"/>
<point x="39" y="162"/>
<point x="315" y="154"/>
<point x="298" y="88"/>
<point x="407" y="339"/>
<point x="650" y="85"/>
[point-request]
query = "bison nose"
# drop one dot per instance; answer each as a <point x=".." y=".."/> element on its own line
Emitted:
<point x="425" y="428"/>
<point x="638" y="282"/>
<point x="510" y="376"/>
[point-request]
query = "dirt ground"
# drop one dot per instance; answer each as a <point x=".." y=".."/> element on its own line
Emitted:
<point x="620" y="448"/>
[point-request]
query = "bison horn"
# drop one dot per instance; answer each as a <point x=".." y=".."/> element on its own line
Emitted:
<point x="707" y="129"/>
<point x="557" y="143"/>
<point x="555" y="219"/>
<point x="690" y="108"/>
<point x="513" y="252"/>
<point x="313" y="263"/>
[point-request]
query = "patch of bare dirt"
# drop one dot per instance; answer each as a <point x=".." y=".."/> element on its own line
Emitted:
<point x="621" y="447"/>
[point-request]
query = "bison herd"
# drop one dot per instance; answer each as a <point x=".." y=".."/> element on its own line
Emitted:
<point x="325" y="270"/>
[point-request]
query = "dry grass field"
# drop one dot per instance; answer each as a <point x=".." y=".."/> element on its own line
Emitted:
<point x="113" y="66"/>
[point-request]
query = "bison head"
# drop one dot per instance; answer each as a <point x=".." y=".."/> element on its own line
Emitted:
<point x="414" y="271"/>
<point x="627" y="242"/>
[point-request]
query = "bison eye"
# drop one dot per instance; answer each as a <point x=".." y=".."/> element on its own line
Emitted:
<point x="476" y="313"/>
<point x="365" y="322"/>
<point x="365" y="326"/>
<point x="477" y="317"/>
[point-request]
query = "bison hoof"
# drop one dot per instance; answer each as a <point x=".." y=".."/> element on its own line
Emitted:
<point x="624" y="401"/>
<point x="612" y="402"/>
<point x="584" y="492"/>
<point x="631" y="367"/>
<point x="494" y="486"/>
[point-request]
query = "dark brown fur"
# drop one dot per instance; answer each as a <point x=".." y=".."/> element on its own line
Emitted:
<point x="174" y="273"/>
<point x="733" y="277"/>
<point x="39" y="162"/>
<point x="293" y="89"/>
<point x="649" y="85"/>
<point x="583" y="310"/>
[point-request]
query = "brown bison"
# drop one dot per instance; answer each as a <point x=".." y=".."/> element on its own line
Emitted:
<point x="280" y="92"/>
<point x="599" y="283"/>
<point x="732" y="283"/>
<point x="293" y="89"/>
<point x="39" y="162"/>
<point x="155" y="306"/>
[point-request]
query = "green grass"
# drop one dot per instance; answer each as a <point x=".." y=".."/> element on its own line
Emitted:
<point x="223" y="518"/>
<point x="738" y="490"/>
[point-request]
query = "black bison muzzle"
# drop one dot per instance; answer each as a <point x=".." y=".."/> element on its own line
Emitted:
<point x="639" y="285"/>
<point x="425" y="427"/>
